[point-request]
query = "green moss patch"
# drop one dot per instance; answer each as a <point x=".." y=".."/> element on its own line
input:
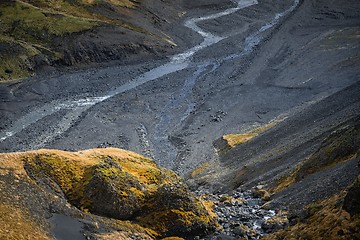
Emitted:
<point x="122" y="185"/>
<point x="28" y="23"/>
<point x="26" y="33"/>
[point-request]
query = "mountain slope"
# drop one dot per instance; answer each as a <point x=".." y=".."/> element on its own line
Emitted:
<point x="98" y="193"/>
<point x="37" y="33"/>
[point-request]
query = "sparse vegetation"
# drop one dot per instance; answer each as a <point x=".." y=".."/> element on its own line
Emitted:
<point x="200" y="169"/>
<point x="286" y="180"/>
<point x="236" y="139"/>
<point x="28" y="23"/>
<point x="27" y="32"/>
<point x="31" y="31"/>
<point x="122" y="185"/>
<point x="340" y="146"/>
<point x="327" y="220"/>
<point x="16" y="224"/>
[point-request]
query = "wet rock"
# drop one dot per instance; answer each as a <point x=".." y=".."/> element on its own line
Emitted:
<point x="276" y="222"/>
<point x="240" y="215"/>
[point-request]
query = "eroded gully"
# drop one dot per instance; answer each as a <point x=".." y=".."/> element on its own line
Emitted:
<point x="174" y="112"/>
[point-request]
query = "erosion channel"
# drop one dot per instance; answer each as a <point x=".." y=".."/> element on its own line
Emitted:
<point x="245" y="114"/>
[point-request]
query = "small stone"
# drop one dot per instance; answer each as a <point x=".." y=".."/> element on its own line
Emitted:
<point x="241" y="230"/>
<point x="8" y="71"/>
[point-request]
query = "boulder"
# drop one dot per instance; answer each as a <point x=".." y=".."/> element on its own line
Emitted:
<point x="123" y="185"/>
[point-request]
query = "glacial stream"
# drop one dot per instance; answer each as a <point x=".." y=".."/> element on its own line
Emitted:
<point x="168" y="118"/>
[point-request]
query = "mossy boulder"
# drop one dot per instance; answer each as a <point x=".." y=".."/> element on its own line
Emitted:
<point x="109" y="191"/>
<point x="123" y="185"/>
<point x="173" y="210"/>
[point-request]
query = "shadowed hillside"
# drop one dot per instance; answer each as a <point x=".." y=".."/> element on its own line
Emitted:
<point x="37" y="33"/>
<point x="111" y="191"/>
<point x="254" y="102"/>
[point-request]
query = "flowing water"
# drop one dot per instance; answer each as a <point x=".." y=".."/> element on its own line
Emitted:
<point x="169" y="117"/>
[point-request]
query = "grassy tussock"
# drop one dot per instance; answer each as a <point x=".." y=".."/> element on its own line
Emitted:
<point x="327" y="221"/>
<point x="16" y="224"/>
<point x="285" y="181"/>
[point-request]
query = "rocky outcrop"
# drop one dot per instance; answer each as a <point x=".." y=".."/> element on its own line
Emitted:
<point x="115" y="184"/>
<point x="352" y="199"/>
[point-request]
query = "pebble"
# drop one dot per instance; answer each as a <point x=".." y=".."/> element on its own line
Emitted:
<point x="240" y="215"/>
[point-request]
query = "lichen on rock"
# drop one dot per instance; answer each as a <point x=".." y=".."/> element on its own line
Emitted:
<point x="122" y="185"/>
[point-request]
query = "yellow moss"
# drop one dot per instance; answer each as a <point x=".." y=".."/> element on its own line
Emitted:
<point x="129" y="175"/>
<point x="15" y="224"/>
<point x="140" y="168"/>
<point x="128" y="228"/>
<point x="329" y="221"/>
<point x="200" y="169"/>
<point x="64" y="171"/>
<point x="187" y="218"/>
<point x="279" y="218"/>
<point x="71" y="170"/>
<point x="173" y="238"/>
<point x="236" y="139"/>
<point x="143" y="169"/>
<point x="137" y="192"/>
<point x="161" y="221"/>
<point x="285" y="181"/>
<point x="209" y="206"/>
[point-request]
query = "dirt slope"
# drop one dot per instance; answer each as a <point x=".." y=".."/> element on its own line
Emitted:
<point x="288" y="145"/>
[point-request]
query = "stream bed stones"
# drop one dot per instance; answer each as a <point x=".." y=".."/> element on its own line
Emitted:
<point x="243" y="215"/>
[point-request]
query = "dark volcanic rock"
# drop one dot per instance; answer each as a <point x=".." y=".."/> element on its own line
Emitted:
<point x="352" y="198"/>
